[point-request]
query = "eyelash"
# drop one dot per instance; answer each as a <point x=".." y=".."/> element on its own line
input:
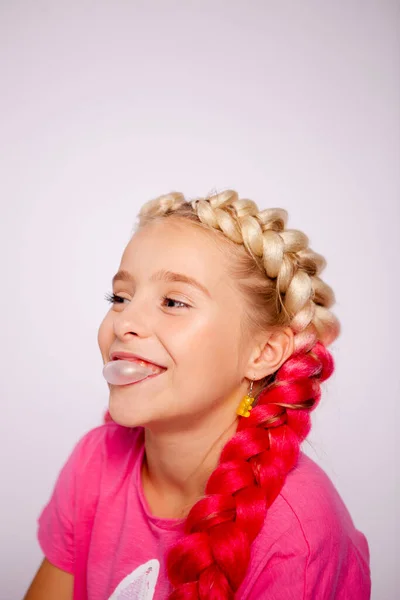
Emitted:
<point x="115" y="299"/>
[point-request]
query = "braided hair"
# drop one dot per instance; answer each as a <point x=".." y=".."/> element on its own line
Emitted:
<point x="279" y="275"/>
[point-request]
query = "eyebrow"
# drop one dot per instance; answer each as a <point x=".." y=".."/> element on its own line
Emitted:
<point x="168" y="276"/>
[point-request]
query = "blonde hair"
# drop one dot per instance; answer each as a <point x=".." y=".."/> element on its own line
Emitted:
<point x="274" y="266"/>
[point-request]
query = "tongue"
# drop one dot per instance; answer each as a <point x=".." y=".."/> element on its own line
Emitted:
<point x="122" y="372"/>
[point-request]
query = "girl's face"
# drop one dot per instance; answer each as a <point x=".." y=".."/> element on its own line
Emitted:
<point x="181" y="310"/>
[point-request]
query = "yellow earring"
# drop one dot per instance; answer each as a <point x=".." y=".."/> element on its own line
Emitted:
<point x="245" y="406"/>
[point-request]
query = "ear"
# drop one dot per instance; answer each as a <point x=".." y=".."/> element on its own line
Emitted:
<point x="270" y="353"/>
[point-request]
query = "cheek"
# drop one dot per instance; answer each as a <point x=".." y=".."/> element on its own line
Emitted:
<point x="104" y="335"/>
<point x="209" y="350"/>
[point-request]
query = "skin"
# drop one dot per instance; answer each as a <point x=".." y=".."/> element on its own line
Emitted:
<point x="188" y="412"/>
<point x="50" y="583"/>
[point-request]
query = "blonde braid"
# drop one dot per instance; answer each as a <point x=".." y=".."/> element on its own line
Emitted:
<point x="283" y="253"/>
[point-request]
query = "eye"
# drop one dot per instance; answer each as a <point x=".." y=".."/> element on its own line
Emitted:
<point x="114" y="299"/>
<point x="169" y="300"/>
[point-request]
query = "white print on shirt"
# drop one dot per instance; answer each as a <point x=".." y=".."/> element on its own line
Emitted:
<point x="138" y="585"/>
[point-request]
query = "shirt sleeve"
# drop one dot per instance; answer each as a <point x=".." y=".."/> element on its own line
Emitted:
<point x="329" y="573"/>
<point x="57" y="521"/>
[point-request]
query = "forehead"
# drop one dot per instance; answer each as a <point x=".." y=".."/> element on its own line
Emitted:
<point x="173" y="245"/>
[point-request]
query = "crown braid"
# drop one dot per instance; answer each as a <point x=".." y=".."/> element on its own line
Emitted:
<point x="283" y="254"/>
<point x="211" y="560"/>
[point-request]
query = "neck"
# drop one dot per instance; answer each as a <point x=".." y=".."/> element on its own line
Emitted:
<point x="178" y="464"/>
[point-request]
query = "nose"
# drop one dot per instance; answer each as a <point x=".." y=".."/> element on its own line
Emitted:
<point x="133" y="320"/>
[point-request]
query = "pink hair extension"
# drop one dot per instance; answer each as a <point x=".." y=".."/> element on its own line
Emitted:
<point x="107" y="417"/>
<point x="211" y="560"/>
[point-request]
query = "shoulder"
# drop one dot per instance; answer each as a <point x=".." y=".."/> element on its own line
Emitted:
<point x="315" y="504"/>
<point x="103" y="446"/>
<point x="310" y="506"/>
<point x="309" y="539"/>
<point x="102" y="455"/>
<point x="308" y="509"/>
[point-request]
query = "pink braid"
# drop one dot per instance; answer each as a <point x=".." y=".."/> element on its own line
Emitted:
<point x="211" y="561"/>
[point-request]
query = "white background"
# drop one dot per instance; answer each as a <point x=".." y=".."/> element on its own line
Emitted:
<point x="105" y="105"/>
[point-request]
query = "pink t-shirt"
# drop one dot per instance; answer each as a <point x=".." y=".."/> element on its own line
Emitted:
<point x="98" y="526"/>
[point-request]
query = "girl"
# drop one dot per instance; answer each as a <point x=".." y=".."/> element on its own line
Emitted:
<point x="196" y="488"/>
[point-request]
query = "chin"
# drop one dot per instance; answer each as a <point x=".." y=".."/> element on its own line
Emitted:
<point x="123" y="414"/>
